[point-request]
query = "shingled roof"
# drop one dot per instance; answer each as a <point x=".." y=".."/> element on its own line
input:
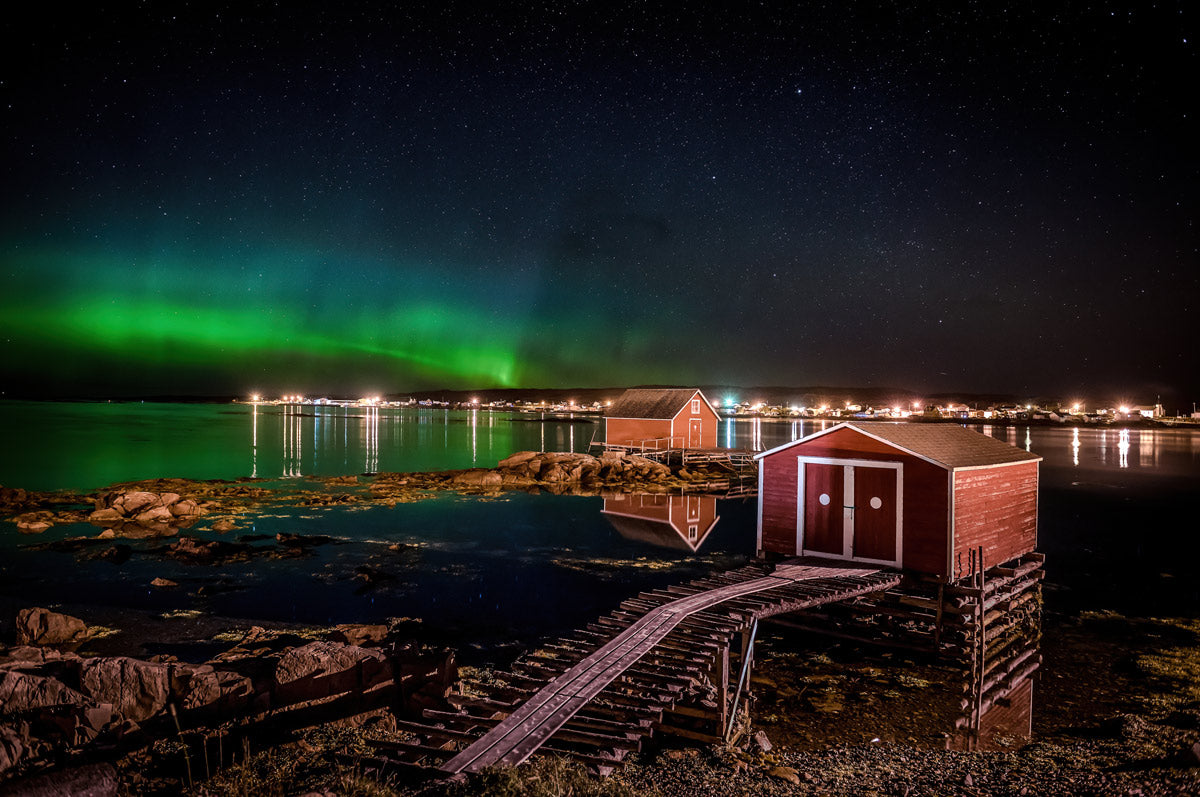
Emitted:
<point x="947" y="444"/>
<point x="660" y="403"/>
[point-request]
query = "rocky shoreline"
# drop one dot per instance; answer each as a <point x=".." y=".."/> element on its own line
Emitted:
<point x="1118" y="714"/>
<point x="162" y="507"/>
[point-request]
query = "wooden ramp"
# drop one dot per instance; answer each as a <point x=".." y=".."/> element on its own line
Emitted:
<point x="661" y="658"/>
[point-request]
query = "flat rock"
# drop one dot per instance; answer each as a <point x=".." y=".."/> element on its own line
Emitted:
<point x="22" y="691"/>
<point x="785" y="773"/>
<point x="320" y="669"/>
<point x="358" y="634"/>
<point x="105" y="515"/>
<point x="517" y="459"/>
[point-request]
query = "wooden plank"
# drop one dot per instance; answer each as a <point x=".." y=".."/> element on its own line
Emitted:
<point x="517" y="736"/>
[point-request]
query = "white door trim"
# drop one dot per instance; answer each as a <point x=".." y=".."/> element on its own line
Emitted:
<point x="848" y="507"/>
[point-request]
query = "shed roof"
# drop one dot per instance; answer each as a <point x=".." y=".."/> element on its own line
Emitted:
<point x="949" y="445"/>
<point x="659" y="403"/>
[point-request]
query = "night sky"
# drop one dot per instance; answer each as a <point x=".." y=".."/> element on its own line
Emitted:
<point x="942" y="196"/>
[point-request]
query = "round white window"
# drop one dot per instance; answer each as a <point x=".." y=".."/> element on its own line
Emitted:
<point x="876" y="502"/>
<point x="824" y="499"/>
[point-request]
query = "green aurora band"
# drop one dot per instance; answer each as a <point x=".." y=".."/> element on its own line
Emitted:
<point x="299" y="323"/>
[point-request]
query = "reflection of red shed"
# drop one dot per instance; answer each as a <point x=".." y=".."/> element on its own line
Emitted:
<point x="668" y="521"/>
<point x="917" y="496"/>
<point x="671" y="418"/>
<point x="1006" y="718"/>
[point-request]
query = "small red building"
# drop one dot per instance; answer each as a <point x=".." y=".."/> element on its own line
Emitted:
<point x="912" y="495"/>
<point x="661" y="418"/>
<point x="669" y="521"/>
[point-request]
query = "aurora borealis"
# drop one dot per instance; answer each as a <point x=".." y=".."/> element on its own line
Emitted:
<point x="314" y="198"/>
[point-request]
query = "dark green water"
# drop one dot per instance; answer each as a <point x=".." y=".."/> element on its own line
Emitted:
<point x="84" y="446"/>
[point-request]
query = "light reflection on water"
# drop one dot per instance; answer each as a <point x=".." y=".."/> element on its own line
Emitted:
<point x="86" y="446"/>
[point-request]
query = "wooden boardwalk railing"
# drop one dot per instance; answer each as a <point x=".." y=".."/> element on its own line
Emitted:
<point x="598" y="693"/>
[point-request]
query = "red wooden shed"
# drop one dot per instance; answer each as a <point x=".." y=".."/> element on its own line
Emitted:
<point x="658" y="418"/>
<point x="910" y="495"/>
<point x="668" y="521"/>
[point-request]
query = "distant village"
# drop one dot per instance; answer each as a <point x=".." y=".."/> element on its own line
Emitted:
<point x="730" y="407"/>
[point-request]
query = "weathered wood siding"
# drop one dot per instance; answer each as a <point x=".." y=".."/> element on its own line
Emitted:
<point x="996" y="508"/>
<point x="632" y="431"/>
<point x="778" y="503"/>
<point x="926" y="513"/>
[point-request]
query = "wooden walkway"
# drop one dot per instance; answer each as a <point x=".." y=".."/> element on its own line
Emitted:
<point x="598" y="693"/>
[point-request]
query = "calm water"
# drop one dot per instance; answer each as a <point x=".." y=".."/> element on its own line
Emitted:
<point x="1116" y="518"/>
<point x="85" y="446"/>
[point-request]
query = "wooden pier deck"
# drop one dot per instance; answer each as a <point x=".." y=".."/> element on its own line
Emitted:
<point x="658" y="663"/>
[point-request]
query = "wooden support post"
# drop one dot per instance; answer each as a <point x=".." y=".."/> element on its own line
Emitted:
<point x="937" y="628"/>
<point x="744" y="679"/>
<point x="721" y="677"/>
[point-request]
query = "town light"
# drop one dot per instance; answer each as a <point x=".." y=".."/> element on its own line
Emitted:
<point x="255" y="397"/>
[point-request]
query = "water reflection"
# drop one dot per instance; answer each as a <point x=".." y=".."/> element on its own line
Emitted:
<point x="254" y="443"/>
<point x="334" y="441"/>
<point x="371" y="443"/>
<point x="293" y="446"/>
<point x="997" y="706"/>
<point x="373" y="439"/>
<point x="679" y="522"/>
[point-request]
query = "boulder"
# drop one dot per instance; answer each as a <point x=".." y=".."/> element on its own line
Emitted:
<point x="105" y="516"/>
<point x="137" y="690"/>
<point x="518" y="479"/>
<point x="15" y="745"/>
<point x="133" y="503"/>
<point x="30" y="657"/>
<point x="155" y="514"/>
<point x="13" y="497"/>
<point x="186" y="507"/>
<point x="517" y="459"/>
<point x="22" y="691"/>
<point x="163" y="582"/>
<point x="321" y="669"/>
<point x="38" y="626"/>
<point x="207" y="689"/>
<point x="34" y="522"/>
<point x="552" y="472"/>
<point x="167" y="499"/>
<point x="358" y="634"/>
